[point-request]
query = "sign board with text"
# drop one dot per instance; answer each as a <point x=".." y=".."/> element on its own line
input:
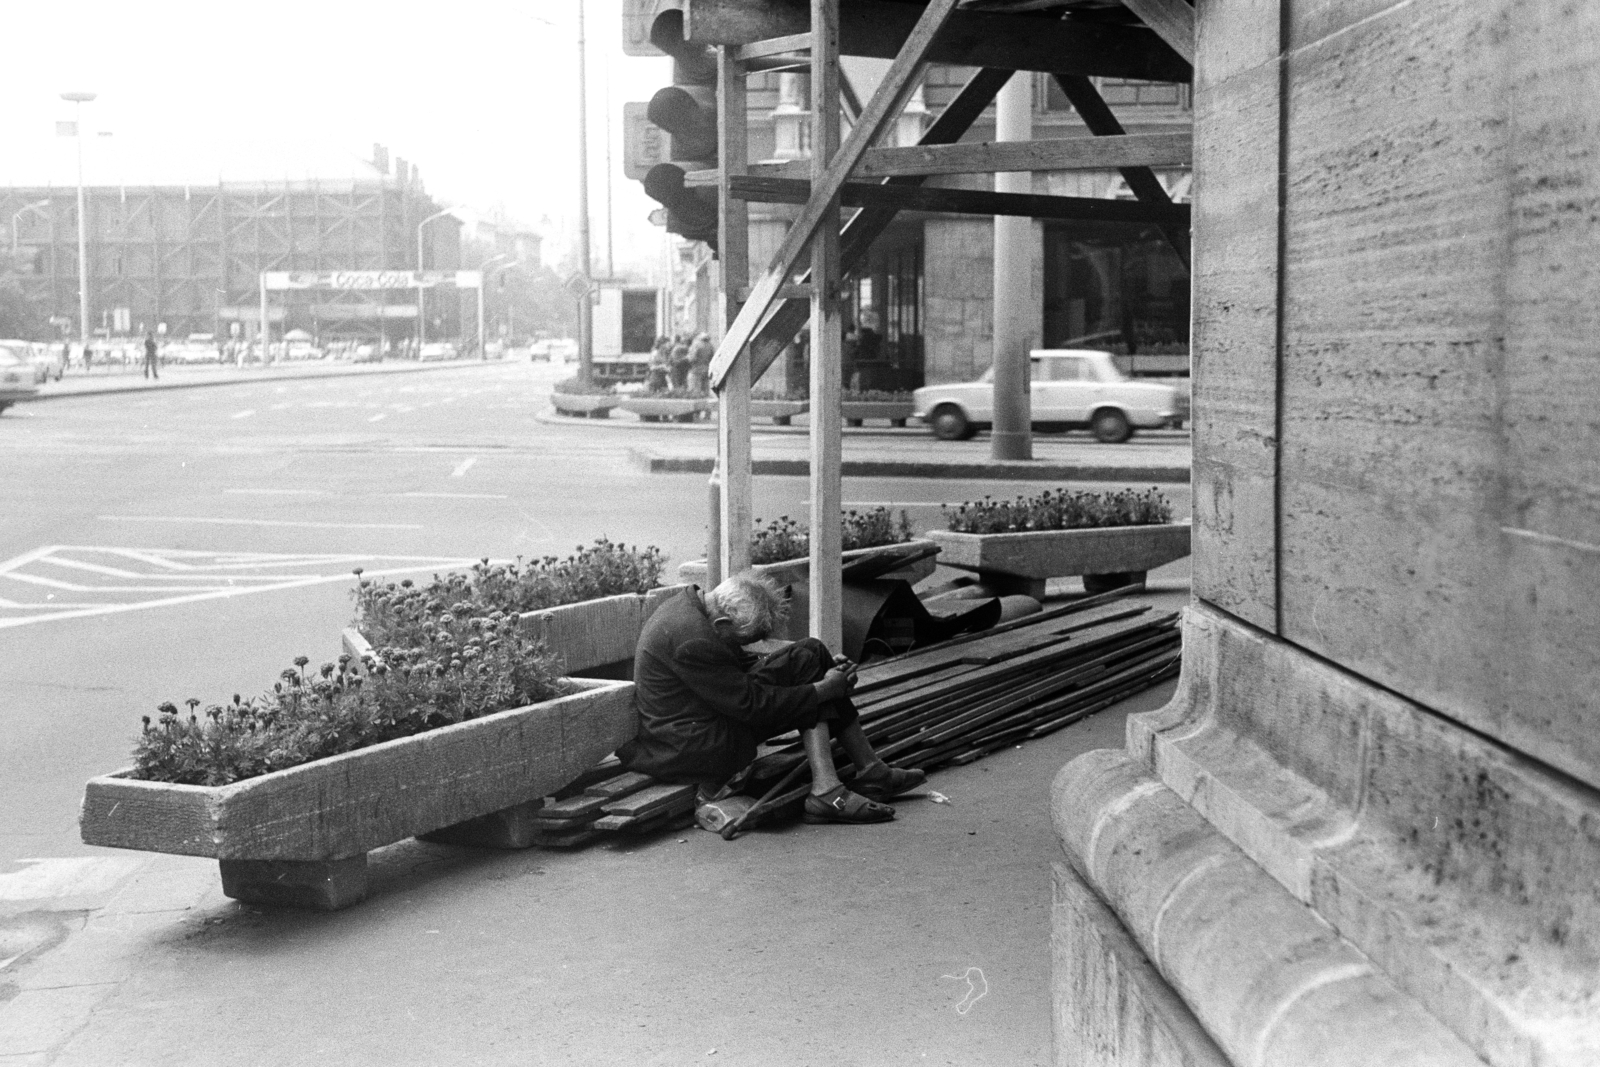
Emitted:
<point x="644" y="144"/>
<point x="357" y="280"/>
<point x="636" y="18"/>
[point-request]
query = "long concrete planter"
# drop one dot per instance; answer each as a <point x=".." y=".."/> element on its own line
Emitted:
<point x="595" y="406"/>
<point x="596" y="637"/>
<point x="781" y="412"/>
<point x="793" y="571"/>
<point x="895" y="412"/>
<point x="299" y="837"/>
<point x="1106" y="556"/>
<point x="682" y="409"/>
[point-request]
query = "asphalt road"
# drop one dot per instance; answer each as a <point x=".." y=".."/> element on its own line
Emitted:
<point x="184" y="543"/>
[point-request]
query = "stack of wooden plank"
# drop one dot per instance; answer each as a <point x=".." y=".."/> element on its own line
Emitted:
<point x="961" y="700"/>
<point x="608" y="799"/>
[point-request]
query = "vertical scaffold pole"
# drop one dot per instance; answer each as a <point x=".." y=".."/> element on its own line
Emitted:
<point x="734" y="517"/>
<point x="827" y="338"/>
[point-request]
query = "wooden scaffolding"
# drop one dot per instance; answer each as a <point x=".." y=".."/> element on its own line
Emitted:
<point x="1073" y="41"/>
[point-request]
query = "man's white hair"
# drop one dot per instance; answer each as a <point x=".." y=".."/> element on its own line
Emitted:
<point x="752" y="603"/>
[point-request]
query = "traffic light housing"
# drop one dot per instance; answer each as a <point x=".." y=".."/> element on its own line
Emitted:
<point x="687" y="111"/>
<point x="691" y="212"/>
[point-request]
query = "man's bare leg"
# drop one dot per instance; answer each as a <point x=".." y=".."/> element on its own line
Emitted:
<point x="819" y="753"/>
<point x="855" y="742"/>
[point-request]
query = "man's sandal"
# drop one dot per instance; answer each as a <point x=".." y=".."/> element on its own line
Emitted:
<point x="841" y="805"/>
<point x="890" y="783"/>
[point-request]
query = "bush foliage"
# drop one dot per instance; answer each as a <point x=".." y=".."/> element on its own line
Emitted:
<point x="1061" y="509"/>
<point x="785" y="538"/>
<point x="464" y="668"/>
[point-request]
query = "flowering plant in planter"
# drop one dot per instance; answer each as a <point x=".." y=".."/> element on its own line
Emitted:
<point x="874" y="396"/>
<point x="464" y="667"/>
<point x="389" y="613"/>
<point x="1063" y="509"/>
<point x="576" y="387"/>
<point x="785" y="538"/>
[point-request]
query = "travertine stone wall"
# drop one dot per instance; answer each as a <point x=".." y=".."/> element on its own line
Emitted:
<point x="1439" y="465"/>
<point x="1388" y="727"/>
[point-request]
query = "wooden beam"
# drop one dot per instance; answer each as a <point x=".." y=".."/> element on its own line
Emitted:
<point x="967" y="201"/>
<point x="734" y="517"/>
<point x="789" y="318"/>
<point x="884" y="107"/>
<point x="827" y="327"/>
<point x="776" y="46"/>
<point x="1097" y="116"/>
<point x="1173" y="21"/>
<point x="990" y="157"/>
<point x="879" y="28"/>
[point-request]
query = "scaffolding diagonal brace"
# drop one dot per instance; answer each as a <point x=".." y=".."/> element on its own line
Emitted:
<point x="884" y="106"/>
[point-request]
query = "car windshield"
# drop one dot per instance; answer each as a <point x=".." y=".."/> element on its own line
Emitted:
<point x="11" y="356"/>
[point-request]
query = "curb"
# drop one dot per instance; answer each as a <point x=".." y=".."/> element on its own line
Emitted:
<point x="285" y="377"/>
<point x="993" y="470"/>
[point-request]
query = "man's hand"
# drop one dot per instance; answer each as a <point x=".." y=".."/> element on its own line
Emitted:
<point x="836" y="684"/>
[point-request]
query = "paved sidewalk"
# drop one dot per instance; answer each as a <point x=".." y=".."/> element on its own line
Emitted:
<point x="923" y="941"/>
<point x="121" y="380"/>
<point x="1153" y="457"/>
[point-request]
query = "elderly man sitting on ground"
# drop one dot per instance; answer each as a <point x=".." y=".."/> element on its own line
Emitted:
<point x="705" y="702"/>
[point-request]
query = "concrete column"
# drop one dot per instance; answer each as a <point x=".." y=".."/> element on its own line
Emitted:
<point x="1016" y="316"/>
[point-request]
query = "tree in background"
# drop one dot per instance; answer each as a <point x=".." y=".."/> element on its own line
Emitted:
<point x="23" y="314"/>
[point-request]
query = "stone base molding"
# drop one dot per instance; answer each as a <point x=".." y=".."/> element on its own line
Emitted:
<point x="1326" y="873"/>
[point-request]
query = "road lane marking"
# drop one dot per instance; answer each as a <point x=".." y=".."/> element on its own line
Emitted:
<point x="463" y="467"/>
<point x="250" y="522"/>
<point x="173" y="577"/>
<point x="379" y="415"/>
<point x="245" y="414"/>
<point x="449" y="496"/>
<point x="278" y="492"/>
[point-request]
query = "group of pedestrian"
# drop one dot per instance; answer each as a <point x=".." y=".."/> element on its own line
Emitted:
<point x="681" y="363"/>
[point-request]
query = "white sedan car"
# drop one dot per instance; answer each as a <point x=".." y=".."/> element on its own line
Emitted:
<point x="17" y="375"/>
<point x="1072" y="388"/>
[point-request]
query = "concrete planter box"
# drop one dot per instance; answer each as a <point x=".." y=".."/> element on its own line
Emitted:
<point x="779" y="411"/>
<point x="1106" y="556"/>
<point x="595" y="405"/>
<point x="895" y="412"/>
<point x="299" y="837"/>
<point x="597" y="637"/>
<point x="796" y="571"/>
<point x="657" y="409"/>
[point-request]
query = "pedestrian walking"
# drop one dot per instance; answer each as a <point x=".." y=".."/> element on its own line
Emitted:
<point x="680" y="365"/>
<point x="88" y="357"/>
<point x="150" y="356"/>
<point x="700" y="354"/>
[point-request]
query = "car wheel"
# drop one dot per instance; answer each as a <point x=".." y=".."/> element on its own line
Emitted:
<point x="949" y="424"/>
<point x="1110" y="426"/>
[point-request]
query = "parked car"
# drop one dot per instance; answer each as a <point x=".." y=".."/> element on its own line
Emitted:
<point x="437" y="350"/>
<point x="366" y="352"/>
<point x="49" y="360"/>
<point x="563" y="349"/>
<point x="17" y="375"/>
<point x="1071" y="389"/>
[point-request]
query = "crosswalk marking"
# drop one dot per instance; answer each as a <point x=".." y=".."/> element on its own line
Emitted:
<point x="110" y="579"/>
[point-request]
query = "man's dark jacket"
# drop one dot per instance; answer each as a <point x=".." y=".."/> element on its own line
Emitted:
<point x="701" y="714"/>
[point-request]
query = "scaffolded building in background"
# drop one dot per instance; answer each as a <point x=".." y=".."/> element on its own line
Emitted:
<point x="770" y="298"/>
<point x="191" y="256"/>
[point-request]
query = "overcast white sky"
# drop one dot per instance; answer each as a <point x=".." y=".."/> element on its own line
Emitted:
<point x="481" y="94"/>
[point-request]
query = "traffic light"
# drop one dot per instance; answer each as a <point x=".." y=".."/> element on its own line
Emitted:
<point x="687" y="111"/>
<point x="691" y="212"/>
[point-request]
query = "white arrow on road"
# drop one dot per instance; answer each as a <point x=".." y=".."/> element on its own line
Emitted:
<point x="105" y="580"/>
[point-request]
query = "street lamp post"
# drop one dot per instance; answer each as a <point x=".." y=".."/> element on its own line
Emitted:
<point x="483" y="287"/>
<point x="422" y="321"/>
<point x="78" y="100"/>
<point x="585" y="266"/>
